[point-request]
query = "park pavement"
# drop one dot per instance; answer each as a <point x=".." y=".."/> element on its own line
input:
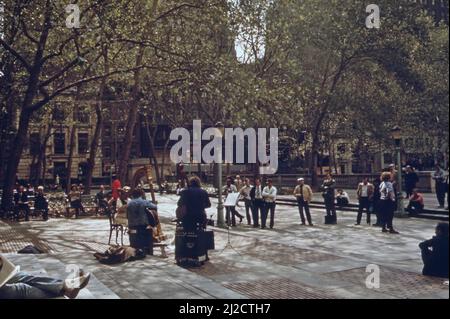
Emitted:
<point x="291" y="261"/>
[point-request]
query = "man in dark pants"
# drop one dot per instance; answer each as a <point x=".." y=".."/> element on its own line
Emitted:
<point x="387" y="204"/>
<point x="245" y="193"/>
<point x="21" y="204"/>
<point x="435" y="253"/>
<point x="365" y="193"/>
<point x="441" y="186"/>
<point x="138" y="221"/>
<point x="329" y="199"/>
<point x="257" y="202"/>
<point x="304" y="194"/>
<point x="270" y="196"/>
<point x="230" y="211"/>
<point x="411" y="180"/>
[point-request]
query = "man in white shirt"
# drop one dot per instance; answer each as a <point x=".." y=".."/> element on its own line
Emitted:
<point x="365" y="194"/>
<point x="270" y="197"/>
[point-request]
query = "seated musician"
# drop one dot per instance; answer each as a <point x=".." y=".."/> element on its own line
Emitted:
<point x="138" y="221"/>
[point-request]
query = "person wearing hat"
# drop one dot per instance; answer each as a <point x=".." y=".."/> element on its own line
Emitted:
<point x="304" y="195"/>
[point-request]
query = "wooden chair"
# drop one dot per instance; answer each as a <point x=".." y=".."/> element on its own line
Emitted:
<point x="115" y="227"/>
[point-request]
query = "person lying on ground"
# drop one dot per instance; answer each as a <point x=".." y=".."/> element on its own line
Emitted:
<point x="26" y="286"/>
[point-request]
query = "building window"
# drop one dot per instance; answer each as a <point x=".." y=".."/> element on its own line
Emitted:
<point x="59" y="115"/>
<point x="35" y="144"/>
<point x="107" y="131"/>
<point x="83" y="143"/>
<point x="59" y="142"/>
<point x="106" y="151"/>
<point x="342" y="148"/>
<point x="81" y="116"/>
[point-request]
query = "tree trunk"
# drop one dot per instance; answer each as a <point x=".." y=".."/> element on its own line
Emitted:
<point x="153" y="158"/>
<point x="43" y="151"/>
<point x="314" y="161"/>
<point x="131" y="121"/>
<point x="25" y="115"/>
<point x="73" y="130"/>
<point x="95" y="142"/>
<point x="163" y="160"/>
<point x="70" y="158"/>
<point x="14" y="159"/>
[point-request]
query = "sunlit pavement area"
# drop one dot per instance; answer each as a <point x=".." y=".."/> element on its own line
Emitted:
<point x="291" y="261"/>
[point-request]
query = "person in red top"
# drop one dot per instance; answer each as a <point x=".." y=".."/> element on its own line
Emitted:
<point x="116" y="185"/>
<point x="416" y="203"/>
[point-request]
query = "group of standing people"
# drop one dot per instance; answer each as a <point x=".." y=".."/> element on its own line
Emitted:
<point x="380" y="199"/>
<point x="259" y="200"/>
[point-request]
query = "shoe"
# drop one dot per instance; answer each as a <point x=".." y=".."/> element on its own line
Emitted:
<point x="303" y="224"/>
<point x="263" y="227"/>
<point x="357" y="224"/>
<point x="240" y="220"/>
<point x="393" y="231"/>
<point x="311" y="225"/>
<point x="384" y="230"/>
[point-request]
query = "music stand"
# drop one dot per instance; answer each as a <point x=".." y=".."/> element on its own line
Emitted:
<point x="232" y="198"/>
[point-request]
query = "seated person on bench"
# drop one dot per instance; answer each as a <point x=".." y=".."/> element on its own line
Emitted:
<point x="75" y="200"/>
<point x="416" y="203"/>
<point x="25" y="286"/>
<point x="21" y="203"/>
<point x="100" y="199"/>
<point x="41" y="203"/>
<point x="435" y="253"/>
<point x="342" y="198"/>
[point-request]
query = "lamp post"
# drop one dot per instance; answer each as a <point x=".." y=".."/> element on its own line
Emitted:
<point x="397" y="136"/>
<point x="220" y="215"/>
